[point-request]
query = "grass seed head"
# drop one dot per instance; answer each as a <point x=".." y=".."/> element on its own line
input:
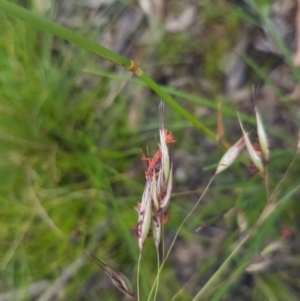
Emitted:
<point x="230" y="155"/>
<point x="158" y="189"/>
<point x="156" y="226"/>
<point x="145" y="213"/>
<point x="262" y="136"/>
<point x="118" y="279"/>
<point x="256" y="159"/>
<point x="166" y="196"/>
<point x="155" y="193"/>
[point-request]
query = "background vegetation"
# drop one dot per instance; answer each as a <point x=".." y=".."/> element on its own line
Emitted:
<point x="73" y="127"/>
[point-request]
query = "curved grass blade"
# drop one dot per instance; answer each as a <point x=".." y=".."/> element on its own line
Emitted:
<point x="91" y="46"/>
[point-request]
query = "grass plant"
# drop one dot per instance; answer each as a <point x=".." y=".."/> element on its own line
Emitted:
<point x="70" y="181"/>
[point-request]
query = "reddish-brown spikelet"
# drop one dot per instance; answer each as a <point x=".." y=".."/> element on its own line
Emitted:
<point x="152" y="163"/>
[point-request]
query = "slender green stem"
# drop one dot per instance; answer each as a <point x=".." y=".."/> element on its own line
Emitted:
<point x="158" y="266"/>
<point x="138" y="277"/>
<point x="184" y="286"/>
<point x="285" y="198"/>
<point x="178" y="108"/>
<point x="283" y="178"/>
<point x="177" y="233"/>
<point x="267" y="183"/>
<point x="208" y="285"/>
<point x="92" y="46"/>
<point x="62" y="32"/>
<point x="162" y="239"/>
<point x="188" y="215"/>
<point x="268" y="210"/>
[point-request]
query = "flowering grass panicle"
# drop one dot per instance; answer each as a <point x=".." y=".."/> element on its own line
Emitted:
<point x="158" y="188"/>
<point x="259" y="152"/>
